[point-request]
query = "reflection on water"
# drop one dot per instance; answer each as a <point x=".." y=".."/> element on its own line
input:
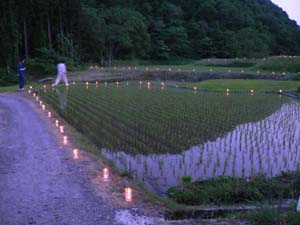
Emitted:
<point x="270" y="146"/>
<point x="62" y="94"/>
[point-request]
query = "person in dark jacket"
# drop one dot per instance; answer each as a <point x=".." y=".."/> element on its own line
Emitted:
<point x="21" y="74"/>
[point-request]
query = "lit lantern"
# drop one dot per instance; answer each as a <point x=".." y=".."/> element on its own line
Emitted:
<point x="141" y="82"/>
<point x="252" y="91"/>
<point x="37" y="98"/>
<point x="128" y="194"/>
<point x="29" y="91"/>
<point x="87" y="83"/>
<point x="61" y="129"/>
<point x="41" y="103"/>
<point x="162" y="84"/>
<point x="73" y="82"/>
<point x="105" y="174"/>
<point x="96" y="82"/>
<point x="227" y="90"/>
<point x="148" y="83"/>
<point x="227" y="94"/>
<point x="75" y="153"/>
<point x="43" y="107"/>
<point x="56" y="123"/>
<point x="65" y="140"/>
<point x="30" y="87"/>
<point x="195" y="88"/>
<point x="280" y="91"/>
<point x="34" y="95"/>
<point x="49" y="114"/>
<point x="117" y="82"/>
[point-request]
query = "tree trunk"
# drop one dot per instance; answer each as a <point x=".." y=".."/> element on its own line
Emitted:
<point x="49" y="33"/>
<point x="101" y="57"/>
<point x="110" y="55"/>
<point x="25" y="38"/>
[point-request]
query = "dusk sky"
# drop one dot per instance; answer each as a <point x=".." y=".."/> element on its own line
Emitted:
<point x="292" y="7"/>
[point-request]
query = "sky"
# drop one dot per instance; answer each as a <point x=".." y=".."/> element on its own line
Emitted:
<point x="292" y="7"/>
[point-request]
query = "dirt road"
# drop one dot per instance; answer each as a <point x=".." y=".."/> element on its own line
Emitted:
<point x="39" y="181"/>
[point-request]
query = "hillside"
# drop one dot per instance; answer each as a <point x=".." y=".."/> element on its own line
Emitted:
<point x="103" y="30"/>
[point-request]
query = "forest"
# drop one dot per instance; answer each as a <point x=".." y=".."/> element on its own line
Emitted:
<point x="104" y="30"/>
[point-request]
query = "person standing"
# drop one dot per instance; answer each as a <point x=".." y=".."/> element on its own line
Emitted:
<point x="61" y="73"/>
<point x="21" y="74"/>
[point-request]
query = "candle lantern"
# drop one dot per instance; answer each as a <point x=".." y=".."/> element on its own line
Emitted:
<point x="195" y="88"/>
<point x="280" y="91"/>
<point x="41" y="103"/>
<point x="105" y="174"/>
<point x="65" y="140"/>
<point x="87" y="83"/>
<point x="43" y="107"/>
<point x="227" y="90"/>
<point x="75" y="153"/>
<point x="37" y="98"/>
<point x="49" y="114"/>
<point x="34" y="95"/>
<point x="30" y="87"/>
<point x="56" y="123"/>
<point x="128" y="194"/>
<point x="61" y="129"/>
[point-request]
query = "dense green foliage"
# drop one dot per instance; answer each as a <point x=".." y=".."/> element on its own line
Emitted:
<point x="269" y="215"/>
<point x="142" y="120"/>
<point x="227" y="190"/>
<point x="103" y="30"/>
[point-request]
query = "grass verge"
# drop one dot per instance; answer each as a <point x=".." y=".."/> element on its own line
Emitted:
<point x="246" y="85"/>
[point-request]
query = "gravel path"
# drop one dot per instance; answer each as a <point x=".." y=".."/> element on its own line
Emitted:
<point x="39" y="181"/>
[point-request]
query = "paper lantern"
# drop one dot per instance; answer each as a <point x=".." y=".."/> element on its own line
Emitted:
<point x="75" y="153"/>
<point x="65" y="140"/>
<point x="56" y="123"/>
<point x="49" y="114"/>
<point x="128" y="194"/>
<point x="43" y="107"/>
<point x="61" y="129"/>
<point x="105" y="174"/>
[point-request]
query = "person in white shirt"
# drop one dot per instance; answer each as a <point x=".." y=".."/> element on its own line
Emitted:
<point x="61" y="73"/>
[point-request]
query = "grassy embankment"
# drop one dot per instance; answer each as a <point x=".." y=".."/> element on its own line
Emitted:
<point x="246" y="85"/>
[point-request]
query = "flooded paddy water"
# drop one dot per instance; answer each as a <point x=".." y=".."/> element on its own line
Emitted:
<point x="160" y="136"/>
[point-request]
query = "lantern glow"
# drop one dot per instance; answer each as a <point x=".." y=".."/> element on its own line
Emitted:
<point x="61" y="129"/>
<point x="75" y="153"/>
<point x="43" y="107"/>
<point x="56" y="123"/>
<point x="49" y="114"/>
<point x="128" y="194"/>
<point x="105" y="174"/>
<point x="65" y="140"/>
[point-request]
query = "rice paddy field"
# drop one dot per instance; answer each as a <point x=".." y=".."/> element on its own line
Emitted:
<point x="160" y="134"/>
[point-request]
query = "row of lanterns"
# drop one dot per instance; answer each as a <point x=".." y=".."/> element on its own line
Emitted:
<point x="105" y="171"/>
